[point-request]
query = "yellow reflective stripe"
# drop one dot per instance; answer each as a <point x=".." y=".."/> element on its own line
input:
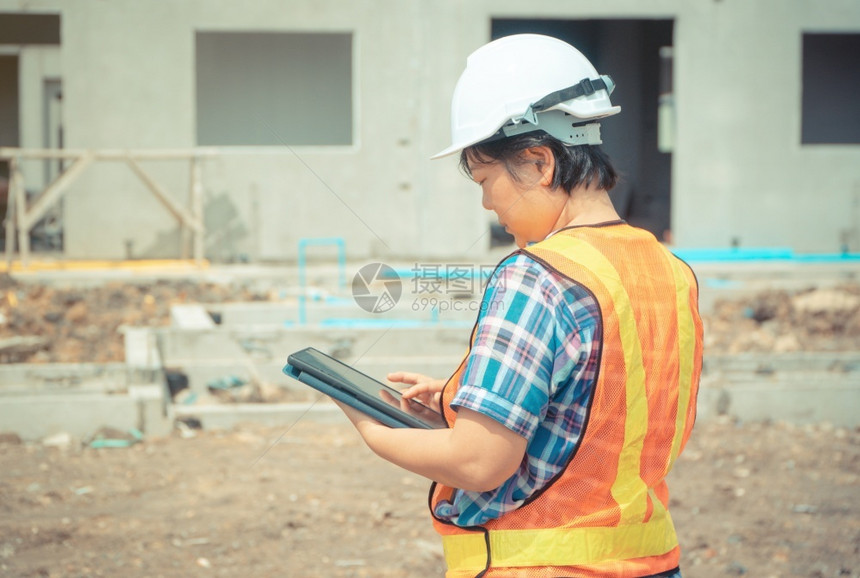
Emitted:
<point x="660" y="510"/>
<point x="686" y="346"/>
<point x="562" y="546"/>
<point x="465" y="552"/>
<point x="628" y="489"/>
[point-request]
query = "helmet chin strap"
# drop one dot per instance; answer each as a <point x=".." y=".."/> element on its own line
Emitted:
<point x="558" y="124"/>
<point x="585" y="87"/>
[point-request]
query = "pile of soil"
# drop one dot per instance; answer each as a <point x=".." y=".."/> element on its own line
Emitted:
<point x="46" y="324"/>
<point x="819" y="319"/>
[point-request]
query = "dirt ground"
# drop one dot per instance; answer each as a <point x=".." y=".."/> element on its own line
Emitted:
<point x="306" y="500"/>
<point x="309" y="500"/>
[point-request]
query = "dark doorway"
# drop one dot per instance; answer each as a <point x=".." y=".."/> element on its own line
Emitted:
<point x="18" y="29"/>
<point x="637" y="55"/>
<point x="831" y="82"/>
<point x="8" y="128"/>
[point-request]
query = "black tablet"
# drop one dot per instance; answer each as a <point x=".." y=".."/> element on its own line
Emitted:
<point x="344" y="383"/>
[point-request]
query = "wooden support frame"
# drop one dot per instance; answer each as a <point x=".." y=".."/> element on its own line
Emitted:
<point x="10" y="221"/>
<point x="183" y="216"/>
<point x="21" y="218"/>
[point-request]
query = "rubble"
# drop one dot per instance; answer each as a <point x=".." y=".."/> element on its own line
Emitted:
<point x="819" y="319"/>
<point x="108" y="437"/>
<point x="10" y="438"/>
<point x="19" y="347"/>
<point x="62" y="440"/>
<point x="47" y="324"/>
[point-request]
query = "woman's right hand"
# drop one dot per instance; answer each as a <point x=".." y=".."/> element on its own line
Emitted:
<point x="423" y="389"/>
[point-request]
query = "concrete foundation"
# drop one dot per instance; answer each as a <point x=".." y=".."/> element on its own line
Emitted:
<point x="38" y="400"/>
<point x="250" y="342"/>
<point x="284" y="415"/>
<point x="834" y="402"/>
<point x="82" y="411"/>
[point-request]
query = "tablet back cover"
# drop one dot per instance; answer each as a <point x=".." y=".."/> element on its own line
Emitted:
<point x="342" y="396"/>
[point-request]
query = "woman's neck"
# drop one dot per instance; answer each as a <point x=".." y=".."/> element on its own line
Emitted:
<point x="587" y="206"/>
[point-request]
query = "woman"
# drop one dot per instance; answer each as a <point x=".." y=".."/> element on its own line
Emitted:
<point x="578" y="391"/>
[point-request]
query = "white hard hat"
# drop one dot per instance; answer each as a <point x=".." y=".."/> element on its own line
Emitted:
<point x="528" y="82"/>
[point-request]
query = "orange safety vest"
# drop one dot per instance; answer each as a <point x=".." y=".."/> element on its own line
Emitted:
<point x="606" y="514"/>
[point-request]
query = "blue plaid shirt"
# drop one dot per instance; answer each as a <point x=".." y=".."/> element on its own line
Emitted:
<point x="532" y="368"/>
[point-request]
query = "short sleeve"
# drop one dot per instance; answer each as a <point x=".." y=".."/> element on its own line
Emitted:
<point x="508" y="375"/>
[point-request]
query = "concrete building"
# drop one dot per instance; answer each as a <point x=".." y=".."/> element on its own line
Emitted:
<point x="739" y="124"/>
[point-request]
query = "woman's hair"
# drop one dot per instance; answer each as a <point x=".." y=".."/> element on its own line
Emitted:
<point x="574" y="165"/>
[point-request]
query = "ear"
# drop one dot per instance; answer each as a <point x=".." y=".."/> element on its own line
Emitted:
<point x="544" y="160"/>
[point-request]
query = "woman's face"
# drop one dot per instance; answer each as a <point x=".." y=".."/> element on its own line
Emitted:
<point x="525" y="207"/>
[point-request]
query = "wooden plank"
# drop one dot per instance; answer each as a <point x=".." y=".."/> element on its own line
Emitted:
<point x="197" y="208"/>
<point x="10" y="220"/>
<point x="17" y="184"/>
<point x="185" y="238"/>
<point x="160" y="154"/>
<point x="14" y="349"/>
<point x="108" y="154"/>
<point x="12" y="152"/>
<point x="21" y="219"/>
<point x="161" y="194"/>
<point x="55" y="191"/>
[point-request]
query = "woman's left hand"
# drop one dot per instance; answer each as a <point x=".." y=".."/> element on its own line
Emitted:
<point x="360" y="420"/>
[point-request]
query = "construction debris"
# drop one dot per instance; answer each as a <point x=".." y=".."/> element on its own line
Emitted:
<point x="108" y="437"/>
<point x="14" y="349"/>
<point x="46" y="324"/>
<point x="823" y="319"/>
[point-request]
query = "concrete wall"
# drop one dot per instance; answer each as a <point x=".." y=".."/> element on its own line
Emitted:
<point x="740" y="170"/>
<point x="740" y="173"/>
<point x="129" y="83"/>
<point x="37" y="63"/>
